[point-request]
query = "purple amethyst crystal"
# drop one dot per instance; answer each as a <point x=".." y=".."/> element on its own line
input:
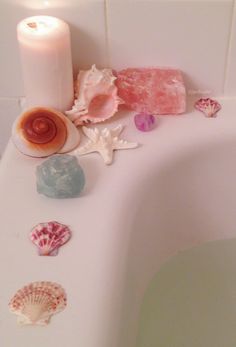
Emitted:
<point x="144" y="121"/>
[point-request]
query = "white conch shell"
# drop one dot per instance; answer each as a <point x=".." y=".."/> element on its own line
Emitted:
<point x="96" y="97"/>
<point x="41" y="131"/>
<point x="35" y="303"/>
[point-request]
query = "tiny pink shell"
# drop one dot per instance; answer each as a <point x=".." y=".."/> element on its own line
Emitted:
<point x="49" y="237"/>
<point x="208" y="106"/>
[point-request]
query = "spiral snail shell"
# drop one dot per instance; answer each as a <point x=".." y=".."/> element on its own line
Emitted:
<point x="40" y="132"/>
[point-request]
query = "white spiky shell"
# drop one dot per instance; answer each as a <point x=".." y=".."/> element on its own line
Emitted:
<point x="29" y="138"/>
<point x="35" y="303"/>
<point x="96" y="97"/>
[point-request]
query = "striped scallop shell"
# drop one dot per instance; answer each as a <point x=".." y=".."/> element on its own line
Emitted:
<point x="40" y="132"/>
<point x="208" y="106"/>
<point x="49" y="237"/>
<point x="35" y="303"/>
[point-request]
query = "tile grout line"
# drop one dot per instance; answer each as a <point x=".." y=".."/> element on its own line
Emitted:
<point x="2" y="97"/>
<point x="107" y="32"/>
<point x="229" y="48"/>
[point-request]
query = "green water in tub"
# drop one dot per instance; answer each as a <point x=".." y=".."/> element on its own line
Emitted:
<point x="192" y="300"/>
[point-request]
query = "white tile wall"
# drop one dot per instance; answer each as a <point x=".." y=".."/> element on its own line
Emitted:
<point x="191" y="35"/>
<point x="198" y="36"/>
<point x="230" y="77"/>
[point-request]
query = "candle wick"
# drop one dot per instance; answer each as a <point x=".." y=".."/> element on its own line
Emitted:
<point x="32" y="25"/>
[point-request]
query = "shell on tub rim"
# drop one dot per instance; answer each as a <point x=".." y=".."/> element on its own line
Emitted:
<point x="209" y="107"/>
<point x="96" y="97"/>
<point x="49" y="237"/>
<point x="41" y="132"/>
<point x="35" y="303"/>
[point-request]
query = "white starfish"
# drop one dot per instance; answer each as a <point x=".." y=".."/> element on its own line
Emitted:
<point x="104" y="141"/>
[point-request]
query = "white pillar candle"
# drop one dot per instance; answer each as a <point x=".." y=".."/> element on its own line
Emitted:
<point x="46" y="62"/>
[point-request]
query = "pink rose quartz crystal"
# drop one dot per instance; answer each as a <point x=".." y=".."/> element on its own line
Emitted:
<point x="152" y="90"/>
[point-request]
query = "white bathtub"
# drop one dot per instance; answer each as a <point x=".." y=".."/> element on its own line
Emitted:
<point x="189" y="200"/>
<point x="176" y="191"/>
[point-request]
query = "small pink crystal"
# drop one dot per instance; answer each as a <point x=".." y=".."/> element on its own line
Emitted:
<point x="208" y="106"/>
<point x="152" y="90"/>
<point x="144" y="122"/>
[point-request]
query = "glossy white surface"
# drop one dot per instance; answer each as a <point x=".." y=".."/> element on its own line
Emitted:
<point x="9" y="110"/>
<point x="175" y="191"/>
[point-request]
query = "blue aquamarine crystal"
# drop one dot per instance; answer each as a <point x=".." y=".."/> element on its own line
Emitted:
<point x="60" y="177"/>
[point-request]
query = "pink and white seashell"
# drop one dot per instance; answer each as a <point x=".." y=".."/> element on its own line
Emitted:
<point x="208" y="106"/>
<point x="96" y="97"/>
<point x="35" y="303"/>
<point x="41" y="132"/>
<point x="49" y="237"/>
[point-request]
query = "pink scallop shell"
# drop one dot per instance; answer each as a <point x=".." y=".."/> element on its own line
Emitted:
<point x="35" y="303"/>
<point x="49" y="237"/>
<point x="208" y="106"/>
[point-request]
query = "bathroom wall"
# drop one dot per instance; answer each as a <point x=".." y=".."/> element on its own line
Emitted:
<point x="195" y="35"/>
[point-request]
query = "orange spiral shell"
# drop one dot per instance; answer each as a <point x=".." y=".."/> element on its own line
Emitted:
<point x="40" y="132"/>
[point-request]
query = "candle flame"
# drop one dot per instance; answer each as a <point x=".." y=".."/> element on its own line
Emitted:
<point x="32" y="25"/>
<point x="40" y="24"/>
